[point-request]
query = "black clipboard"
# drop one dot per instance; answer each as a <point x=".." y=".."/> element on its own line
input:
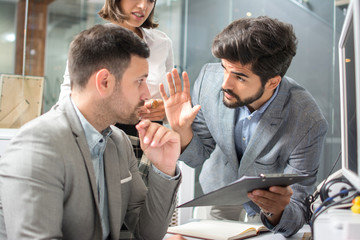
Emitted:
<point x="236" y="192"/>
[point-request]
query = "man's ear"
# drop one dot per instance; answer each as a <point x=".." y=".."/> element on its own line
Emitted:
<point x="104" y="82"/>
<point x="273" y="82"/>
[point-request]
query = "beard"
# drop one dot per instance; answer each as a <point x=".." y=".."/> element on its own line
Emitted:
<point x="134" y="115"/>
<point x="127" y="115"/>
<point x="122" y="110"/>
<point x="239" y="102"/>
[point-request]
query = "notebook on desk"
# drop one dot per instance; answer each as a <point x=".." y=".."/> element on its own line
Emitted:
<point x="217" y="229"/>
<point x="236" y="192"/>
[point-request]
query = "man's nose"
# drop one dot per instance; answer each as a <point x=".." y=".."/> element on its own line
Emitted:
<point x="145" y="94"/>
<point x="226" y="82"/>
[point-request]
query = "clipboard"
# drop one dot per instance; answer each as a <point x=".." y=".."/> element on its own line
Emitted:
<point x="236" y="192"/>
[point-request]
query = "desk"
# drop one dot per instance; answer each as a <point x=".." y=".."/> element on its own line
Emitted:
<point x="337" y="224"/>
<point x="268" y="235"/>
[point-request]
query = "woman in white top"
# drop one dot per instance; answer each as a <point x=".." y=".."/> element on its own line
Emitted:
<point x="137" y="16"/>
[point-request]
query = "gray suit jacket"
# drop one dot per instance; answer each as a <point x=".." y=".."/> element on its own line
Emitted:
<point x="48" y="187"/>
<point x="288" y="139"/>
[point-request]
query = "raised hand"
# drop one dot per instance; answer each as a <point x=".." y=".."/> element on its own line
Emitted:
<point x="178" y="108"/>
<point x="160" y="144"/>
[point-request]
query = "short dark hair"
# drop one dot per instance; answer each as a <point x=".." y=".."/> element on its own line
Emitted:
<point x="111" y="11"/>
<point x="267" y="44"/>
<point x="103" y="46"/>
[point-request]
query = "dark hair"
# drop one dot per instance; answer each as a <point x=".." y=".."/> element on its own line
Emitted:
<point x="111" y="11"/>
<point x="103" y="46"/>
<point x="268" y="45"/>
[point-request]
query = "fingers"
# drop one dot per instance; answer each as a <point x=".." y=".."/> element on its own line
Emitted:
<point x="273" y="192"/>
<point x="152" y="134"/>
<point x="274" y="200"/>
<point x="170" y="83"/>
<point x="177" y="80"/>
<point x="186" y="82"/>
<point x="153" y="116"/>
<point x="141" y="127"/>
<point x="174" y="82"/>
<point x="154" y="110"/>
<point x="154" y="105"/>
<point x="146" y="130"/>
<point x="163" y="94"/>
<point x="195" y="111"/>
<point x="286" y="191"/>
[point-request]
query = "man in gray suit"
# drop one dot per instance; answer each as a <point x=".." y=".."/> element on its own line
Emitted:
<point x="253" y="119"/>
<point x="70" y="174"/>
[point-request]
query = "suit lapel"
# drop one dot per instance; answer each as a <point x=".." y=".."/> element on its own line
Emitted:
<point x="113" y="183"/>
<point x="264" y="133"/>
<point x="227" y="126"/>
<point x="268" y="126"/>
<point x="78" y="131"/>
<point x="84" y="148"/>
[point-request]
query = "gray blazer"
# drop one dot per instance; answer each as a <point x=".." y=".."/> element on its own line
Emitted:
<point x="288" y="139"/>
<point x="48" y="187"/>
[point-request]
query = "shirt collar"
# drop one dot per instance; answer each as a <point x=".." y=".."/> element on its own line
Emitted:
<point x="268" y="102"/>
<point x="92" y="135"/>
<point x="243" y="111"/>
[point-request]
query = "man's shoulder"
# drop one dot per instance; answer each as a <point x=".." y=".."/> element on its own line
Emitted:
<point x="49" y="125"/>
<point x="297" y="93"/>
<point x="301" y="102"/>
<point x="211" y="74"/>
<point x="48" y="134"/>
<point x="209" y="80"/>
<point x="213" y="67"/>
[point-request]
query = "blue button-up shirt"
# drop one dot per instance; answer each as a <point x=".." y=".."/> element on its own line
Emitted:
<point x="245" y="125"/>
<point x="97" y="144"/>
<point x="246" y="122"/>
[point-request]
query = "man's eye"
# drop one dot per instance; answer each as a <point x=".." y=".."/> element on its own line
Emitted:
<point x="240" y="79"/>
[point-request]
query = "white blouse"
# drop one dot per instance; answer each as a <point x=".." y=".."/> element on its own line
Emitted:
<point x="161" y="61"/>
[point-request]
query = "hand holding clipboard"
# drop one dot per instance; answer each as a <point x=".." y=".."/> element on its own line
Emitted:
<point x="236" y="192"/>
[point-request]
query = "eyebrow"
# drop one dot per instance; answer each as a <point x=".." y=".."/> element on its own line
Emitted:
<point x="237" y="73"/>
<point x="143" y="76"/>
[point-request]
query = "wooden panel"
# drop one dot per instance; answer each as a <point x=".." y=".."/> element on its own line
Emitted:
<point x="36" y="37"/>
<point x="341" y="2"/>
<point x="21" y="99"/>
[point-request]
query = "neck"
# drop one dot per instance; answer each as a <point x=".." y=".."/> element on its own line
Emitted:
<point x="90" y="110"/>
<point x="261" y="101"/>
<point x="135" y="30"/>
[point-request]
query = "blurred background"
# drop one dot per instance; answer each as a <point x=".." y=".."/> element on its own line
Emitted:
<point x="48" y="26"/>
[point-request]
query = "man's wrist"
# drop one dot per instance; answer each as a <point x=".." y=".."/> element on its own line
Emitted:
<point x="267" y="214"/>
<point x="185" y="138"/>
<point x="271" y="218"/>
<point x="165" y="175"/>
